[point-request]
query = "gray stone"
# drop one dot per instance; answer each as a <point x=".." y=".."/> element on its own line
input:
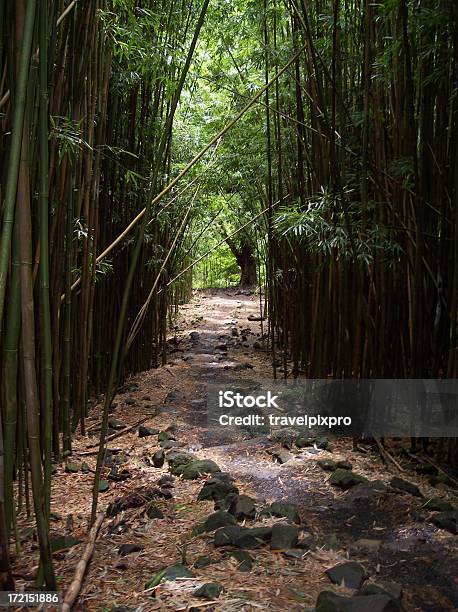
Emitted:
<point x="219" y="490"/>
<point x="304" y="441"/>
<point x="282" y="510"/>
<point x="144" y="432"/>
<point x="404" y="485"/>
<point x="128" y="549"/>
<point x="392" y="589"/>
<point x="327" y="464"/>
<point x="350" y="573"/>
<point x="365" y="545"/>
<point x="284" y="536"/>
<point x="158" y="458"/>
<point x="203" y="561"/>
<point x="322" y="443"/>
<point x="115" y="424"/>
<point x="253" y="538"/>
<point x="215" y="521"/>
<point x="178" y="461"/>
<point x="226" y="535"/>
<point x="447" y="520"/>
<point x="435" y="504"/>
<point x="328" y="601"/>
<point x="210" y="590"/>
<point x="153" y="512"/>
<point x="345" y="479"/>
<point x="244" y="560"/>
<point x="103" y="486"/>
<point x="344" y="464"/>
<point x="163" y="436"/>
<point x="198" y="468"/>
<point x="243" y="508"/>
<point x="281" y="456"/>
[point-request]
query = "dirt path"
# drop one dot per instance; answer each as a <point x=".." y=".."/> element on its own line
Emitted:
<point x="214" y="339"/>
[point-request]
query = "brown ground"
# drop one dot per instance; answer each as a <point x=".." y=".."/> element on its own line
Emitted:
<point x="420" y="557"/>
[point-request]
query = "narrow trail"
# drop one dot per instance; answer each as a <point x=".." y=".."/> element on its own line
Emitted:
<point x="387" y="531"/>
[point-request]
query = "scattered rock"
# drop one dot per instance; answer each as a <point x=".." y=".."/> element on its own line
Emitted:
<point x="344" y="464"/>
<point x="127" y="549"/>
<point x="392" y="589"/>
<point x="255" y="318"/>
<point x="327" y="464"/>
<point x="365" y="491"/>
<point x="435" y="504"/>
<point x="253" y="538"/>
<point x="164" y="436"/>
<point x="158" y="458"/>
<point x="219" y="490"/>
<point x="168" y="444"/>
<point x="118" y="528"/>
<point x="447" y="520"/>
<point x="234" y="332"/>
<point x="284" y="436"/>
<point x="304" y="441"/>
<point x="204" y="561"/>
<point x="71" y="468"/>
<point x="118" y="476"/>
<point x="350" y="573"/>
<point x="166" y="481"/>
<point x="169" y="573"/>
<point x="146" y="398"/>
<point x="345" y="479"/>
<point x="194" y="336"/>
<point x="221" y="347"/>
<point x="322" y="443"/>
<point x="144" y="432"/>
<point x="215" y="521"/>
<point x="198" y="468"/>
<point x="85" y="468"/>
<point x="426" y="469"/>
<point x="115" y="424"/>
<point x="442" y="479"/>
<point x="63" y="542"/>
<point x="226" y="535"/>
<point x="282" y="456"/>
<point x="135" y="499"/>
<point x="178" y="461"/>
<point x="365" y="545"/>
<point x="103" y="486"/>
<point x="243" y="508"/>
<point x="153" y="512"/>
<point x="328" y="601"/>
<point x="404" y="485"/>
<point x="210" y="590"/>
<point x="282" y="510"/>
<point x="284" y="536"/>
<point x="130" y="401"/>
<point x="244" y="560"/>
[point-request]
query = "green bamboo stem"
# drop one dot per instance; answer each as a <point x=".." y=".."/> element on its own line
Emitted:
<point x="15" y="149"/>
<point x="46" y="369"/>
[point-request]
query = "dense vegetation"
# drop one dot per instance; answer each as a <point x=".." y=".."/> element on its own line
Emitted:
<point x="336" y="189"/>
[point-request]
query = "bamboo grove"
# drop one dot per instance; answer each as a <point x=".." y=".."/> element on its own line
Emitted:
<point x="327" y="131"/>
<point x="367" y="250"/>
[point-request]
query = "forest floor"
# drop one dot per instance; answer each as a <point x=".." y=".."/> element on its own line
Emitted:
<point x="386" y="530"/>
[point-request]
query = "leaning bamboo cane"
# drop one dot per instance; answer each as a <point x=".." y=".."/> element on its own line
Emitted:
<point x="75" y="586"/>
